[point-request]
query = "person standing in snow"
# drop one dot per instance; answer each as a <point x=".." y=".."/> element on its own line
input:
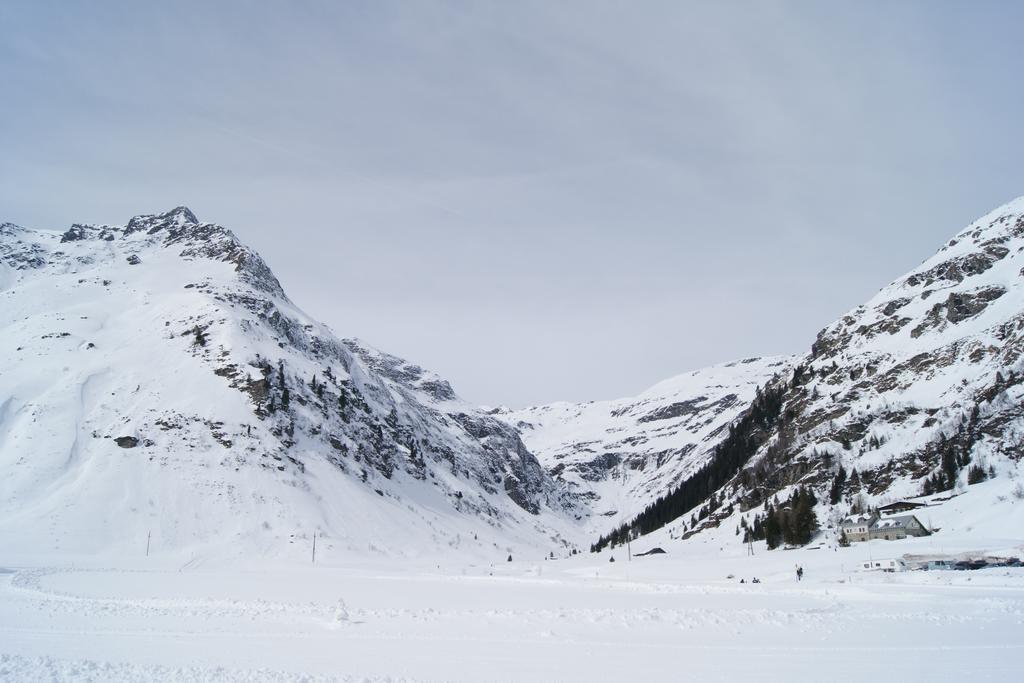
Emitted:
<point x="799" y="573"/>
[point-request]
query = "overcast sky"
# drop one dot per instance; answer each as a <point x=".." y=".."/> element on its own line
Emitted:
<point x="539" y="200"/>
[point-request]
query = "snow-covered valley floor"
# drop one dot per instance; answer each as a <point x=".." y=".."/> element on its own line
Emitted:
<point x="668" y="617"/>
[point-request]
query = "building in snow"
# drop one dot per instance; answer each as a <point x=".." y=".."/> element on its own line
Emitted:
<point x="900" y="507"/>
<point x="870" y="525"/>
<point x="858" y="527"/>
<point x="895" y="528"/>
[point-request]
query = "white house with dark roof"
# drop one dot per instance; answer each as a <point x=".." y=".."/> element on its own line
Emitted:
<point x="858" y="527"/>
<point x="869" y="525"/>
<point x="894" y="528"/>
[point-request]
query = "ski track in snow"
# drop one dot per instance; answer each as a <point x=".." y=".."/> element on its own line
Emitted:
<point x="84" y="405"/>
<point x="5" y="426"/>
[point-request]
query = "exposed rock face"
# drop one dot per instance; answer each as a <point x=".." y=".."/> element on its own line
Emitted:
<point x="957" y="307"/>
<point x="17" y="249"/>
<point x="507" y="461"/>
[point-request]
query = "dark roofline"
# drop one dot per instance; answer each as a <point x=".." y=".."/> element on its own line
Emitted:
<point x="902" y="503"/>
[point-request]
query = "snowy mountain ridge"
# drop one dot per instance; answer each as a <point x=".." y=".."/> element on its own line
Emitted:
<point x="918" y="392"/>
<point x="621" y="455"/>
<point x="157" y="381"/>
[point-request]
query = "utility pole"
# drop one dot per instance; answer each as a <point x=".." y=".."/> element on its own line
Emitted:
<point x="629" y="551"/>
<point x="314" y="547"/>
<point x="148" y="535"/>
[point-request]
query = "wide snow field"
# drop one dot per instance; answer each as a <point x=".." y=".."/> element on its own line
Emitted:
<point x="668" y="617"/>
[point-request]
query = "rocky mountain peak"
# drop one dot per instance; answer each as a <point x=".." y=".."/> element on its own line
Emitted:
<point x="930" y="304"/>
<point x="179" y="229"/>
<point x="177" y="217"/>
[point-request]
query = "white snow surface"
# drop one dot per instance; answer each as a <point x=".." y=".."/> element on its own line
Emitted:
<point x="681" y="615"/>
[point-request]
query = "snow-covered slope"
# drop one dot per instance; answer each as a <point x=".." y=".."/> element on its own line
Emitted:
<point x="918" y="391"/>
<point x="930" y="365"/>
<point x="622" y="454"/>
<point x="156" y="381"/>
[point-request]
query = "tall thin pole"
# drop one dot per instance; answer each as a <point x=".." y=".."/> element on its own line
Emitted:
<point x="148" y="534"/>
<point x="629" y="551"/>
<point x="314" y="547"/>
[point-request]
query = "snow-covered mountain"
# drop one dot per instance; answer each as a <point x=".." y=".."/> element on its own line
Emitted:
<point x="918" y="391"/>
<point x="621" y="455"/>
<point x="156" y="381"/>
<point x="930" y="365"/>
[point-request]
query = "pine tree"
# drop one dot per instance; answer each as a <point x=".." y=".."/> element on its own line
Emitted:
<point x="744" y="439"/>
<point x="836" y="492"/>
<point x="772" y="529"/>
<point x="976" y="474"/>
<point x="928" y="487"/>
<point x="343" y="403"/>
<point x="803" y="523"/>
<point x="200" y="339"/>
<point x="949" y="468"/>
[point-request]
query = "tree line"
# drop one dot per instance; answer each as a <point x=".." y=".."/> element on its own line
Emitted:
<point x="793" y="522"/>
<point x="745" y="437"/>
